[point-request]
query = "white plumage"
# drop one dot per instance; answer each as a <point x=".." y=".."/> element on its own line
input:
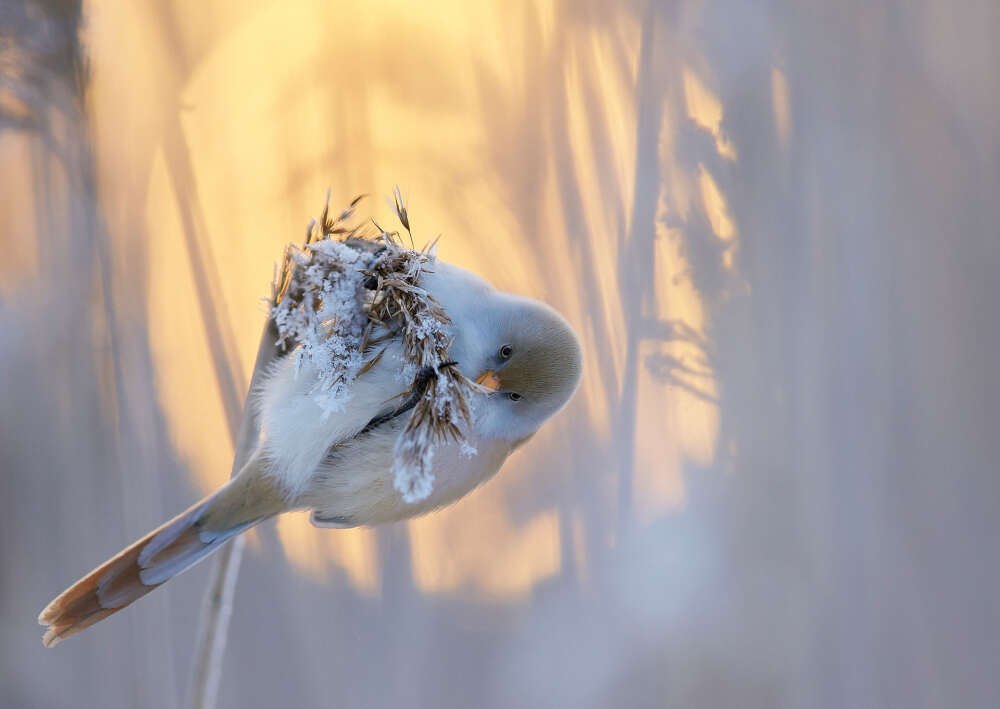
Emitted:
<point x="323" y="464"/>
<point x="338" y="462"/>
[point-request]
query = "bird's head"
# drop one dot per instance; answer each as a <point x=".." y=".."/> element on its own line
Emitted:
<point x="524" y="353"/>
<point x="530" y="361"/>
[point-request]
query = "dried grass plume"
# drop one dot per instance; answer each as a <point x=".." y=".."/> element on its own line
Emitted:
<point x="346" y="291"/>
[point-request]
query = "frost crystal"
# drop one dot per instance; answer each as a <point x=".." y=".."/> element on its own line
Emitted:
<point x="323" y="314"/>
<point x="329" y="299"/>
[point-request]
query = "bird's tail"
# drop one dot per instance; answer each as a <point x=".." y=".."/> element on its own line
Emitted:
<point x="162" y="554"/>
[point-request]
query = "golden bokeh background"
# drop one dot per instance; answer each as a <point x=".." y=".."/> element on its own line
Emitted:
<point x="773" y="226"/>
<point x="231" y="156"/>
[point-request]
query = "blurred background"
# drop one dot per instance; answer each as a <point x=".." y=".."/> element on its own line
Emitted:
<point x="773" y="223"/>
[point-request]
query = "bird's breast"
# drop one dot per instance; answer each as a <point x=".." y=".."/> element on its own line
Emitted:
<point x="354" y="483"/>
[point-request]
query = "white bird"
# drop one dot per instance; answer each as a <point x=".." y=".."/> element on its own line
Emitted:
<point x="340" y="466"/>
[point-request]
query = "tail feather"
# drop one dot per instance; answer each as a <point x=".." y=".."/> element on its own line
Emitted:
<point x="159" y="556"/>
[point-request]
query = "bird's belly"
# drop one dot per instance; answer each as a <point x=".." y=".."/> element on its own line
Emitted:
<point x="354" y="484"/>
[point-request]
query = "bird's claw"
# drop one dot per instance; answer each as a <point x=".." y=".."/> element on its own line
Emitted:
<point x="427" y="373"/>
<point x="420" y="382"/>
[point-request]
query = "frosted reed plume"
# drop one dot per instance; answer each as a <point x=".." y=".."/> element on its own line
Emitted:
<point x="343" y="294"/>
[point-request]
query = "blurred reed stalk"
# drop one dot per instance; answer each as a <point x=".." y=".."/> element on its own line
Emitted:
<point x="213" y="626"/>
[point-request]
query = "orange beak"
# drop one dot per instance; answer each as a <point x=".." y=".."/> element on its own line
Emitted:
<point x="489" y="380"/>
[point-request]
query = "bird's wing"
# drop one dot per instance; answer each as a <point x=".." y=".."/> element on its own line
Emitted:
<point x="298" y="433"/>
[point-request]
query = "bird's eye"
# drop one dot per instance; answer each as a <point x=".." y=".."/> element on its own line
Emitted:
<point x="506" y="351"/>
<point x="513" y="396"/>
